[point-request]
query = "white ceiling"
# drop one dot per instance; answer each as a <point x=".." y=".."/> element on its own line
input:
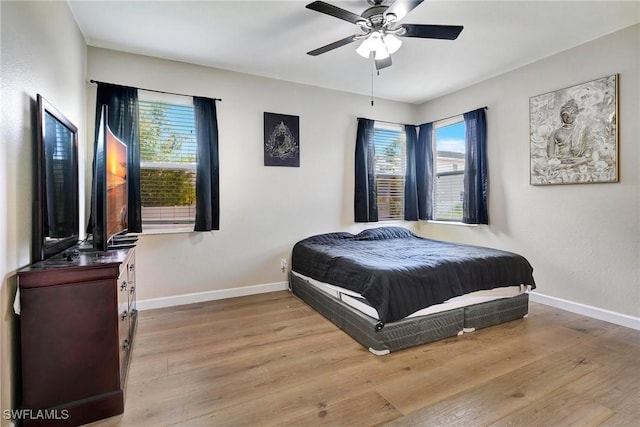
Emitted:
<point x="270" y="38"/>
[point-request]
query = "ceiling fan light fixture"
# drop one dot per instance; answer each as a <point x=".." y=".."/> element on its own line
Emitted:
<point x="364" y="49"/>
<point x="392" y="42"/>
<point x="381" y="54"/>
<point x="374" y="43"/>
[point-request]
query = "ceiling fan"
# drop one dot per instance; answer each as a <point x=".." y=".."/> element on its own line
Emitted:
<point x="381" y="28"/>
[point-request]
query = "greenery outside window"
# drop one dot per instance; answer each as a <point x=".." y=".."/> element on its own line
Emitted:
<point x="390" y="166"/>
<point x="449" y="159"/>
<point x="167" y="161"/>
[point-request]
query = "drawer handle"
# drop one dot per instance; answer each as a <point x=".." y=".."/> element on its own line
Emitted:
<point x="123" y="285"/>
<point x="125" y="344"/>
<point x="132" y="267"/>
<point x="124" y="315"/>
<point x="132" y="290"/>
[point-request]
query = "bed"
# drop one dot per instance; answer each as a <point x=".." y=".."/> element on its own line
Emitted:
<point x="390" y="289"/>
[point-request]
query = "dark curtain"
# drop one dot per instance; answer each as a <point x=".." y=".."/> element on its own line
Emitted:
<point x="424" y="171"/>
<point x="474" y="206"/>
<point x="122" y="105"/>
<point x="207" y="169"/>
<point x="410" y="179"/>
<point x="365" y="197"/>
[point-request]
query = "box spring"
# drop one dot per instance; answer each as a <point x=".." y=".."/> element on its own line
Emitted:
<point x="408" y="332"/>
<point x="492" y="313"/>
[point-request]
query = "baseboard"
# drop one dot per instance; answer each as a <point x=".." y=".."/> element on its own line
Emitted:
<point x="587" y="310"/>
<point x="171" y="301"/>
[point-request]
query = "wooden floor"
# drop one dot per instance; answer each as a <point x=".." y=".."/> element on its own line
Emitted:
<point x="270" y="359"/>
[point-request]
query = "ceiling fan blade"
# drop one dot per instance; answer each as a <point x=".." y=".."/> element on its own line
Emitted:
<point x="400" y="8"/>
<point x="444" y="32"/>
<point x="326" y="8"/>
<point x="383" y="63"/>
<point x="332" y="46"/>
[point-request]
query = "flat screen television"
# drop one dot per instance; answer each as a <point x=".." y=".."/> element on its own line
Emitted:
<point x="56" y="224"/>
<point x="110" y="186"/>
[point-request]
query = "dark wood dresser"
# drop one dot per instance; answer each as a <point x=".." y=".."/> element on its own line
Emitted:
<point x="78" y="320"/>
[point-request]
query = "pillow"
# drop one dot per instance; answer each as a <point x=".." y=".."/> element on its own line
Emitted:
<point x="384" y="233"/>
<point x="329" y="237"/>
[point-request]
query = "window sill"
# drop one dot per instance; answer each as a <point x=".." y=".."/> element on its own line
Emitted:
<point x="173" y="230"/>
<point x="460" y="224"/>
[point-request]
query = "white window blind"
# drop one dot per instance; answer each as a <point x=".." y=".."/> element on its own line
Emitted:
<point x="390" y="165"/>
<point x="167" y="161"/>
<point x="448" y="189"/>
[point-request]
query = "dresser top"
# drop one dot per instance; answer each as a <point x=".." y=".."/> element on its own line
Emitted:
<point x="79" y="257"/>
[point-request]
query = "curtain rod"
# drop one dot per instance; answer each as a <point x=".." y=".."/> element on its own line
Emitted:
<point x="439" y="120"/>
<point x="150" y="90"/>
<point x="384" y="121"/>
<point x="456" y="115"/>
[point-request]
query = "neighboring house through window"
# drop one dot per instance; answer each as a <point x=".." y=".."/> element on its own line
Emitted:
<point x="449" y="155"/>
<point x="167" y="161"/>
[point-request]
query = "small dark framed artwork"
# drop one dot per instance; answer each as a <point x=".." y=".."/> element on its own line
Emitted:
<point x="281" y="140"/>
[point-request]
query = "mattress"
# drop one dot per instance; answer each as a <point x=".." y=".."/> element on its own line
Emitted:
<point x="411" y="331"/>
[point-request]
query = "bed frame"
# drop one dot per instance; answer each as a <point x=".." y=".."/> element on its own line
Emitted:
<point x="408" y="332"/>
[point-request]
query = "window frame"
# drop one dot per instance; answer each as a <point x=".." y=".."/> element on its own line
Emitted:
<point x="150" y="227"/>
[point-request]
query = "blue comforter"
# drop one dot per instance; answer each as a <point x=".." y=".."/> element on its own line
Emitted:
<point x="400" y="273"/>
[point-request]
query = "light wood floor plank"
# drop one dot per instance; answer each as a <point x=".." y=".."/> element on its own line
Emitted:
<point x="469" y="368"/>
<point x="271" y="360"/>
<point x="492" y="400"/>
<point x="560" y="408"/>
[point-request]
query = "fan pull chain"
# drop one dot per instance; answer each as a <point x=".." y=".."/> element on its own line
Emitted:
<point x="372" y="62"/>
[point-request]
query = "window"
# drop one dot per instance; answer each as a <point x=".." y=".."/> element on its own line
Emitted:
<point x="448" y="187"/>
<point x="167" y="161"/>
<point x="390" y="163"/>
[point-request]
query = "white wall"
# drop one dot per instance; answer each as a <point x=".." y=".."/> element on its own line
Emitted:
<point x="42" y="52"/>
<point x="263" y="210"/>
<point x="582" y="240"/>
